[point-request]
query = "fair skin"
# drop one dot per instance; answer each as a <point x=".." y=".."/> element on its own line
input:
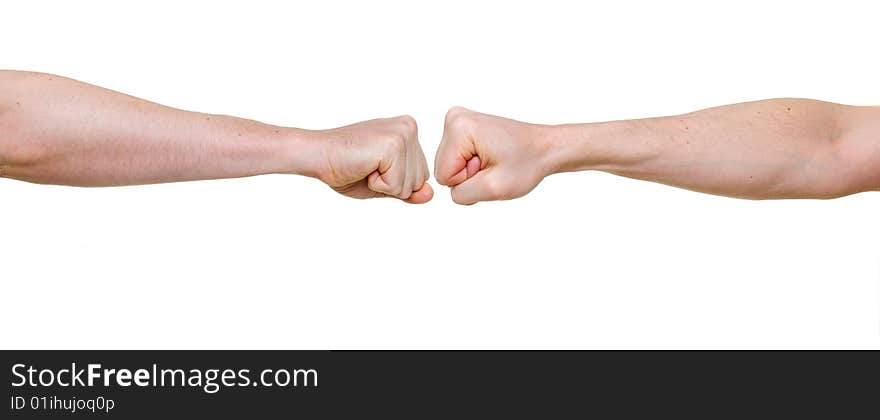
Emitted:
<point x="779" y="148"/>
<point x="55" y="130"/>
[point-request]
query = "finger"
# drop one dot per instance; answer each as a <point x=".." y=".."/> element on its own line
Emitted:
<point x="411" y="170"/>
<point x="407" y="183"/>
<point x="479" y="188"/>
<point x="458" y="178"/>
<point x="473" y="166"/>
<point x="450" y="168"/>
<point x="358" y="190"/>
<point x="456" y="148"/>
<point x="423" y="172"/>
<point x="422" y="195"/>
<point x="377" y="182"/>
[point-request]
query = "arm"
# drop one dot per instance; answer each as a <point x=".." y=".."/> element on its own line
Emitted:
<point x="56" y="130"/>
<point x="780" y="148"/>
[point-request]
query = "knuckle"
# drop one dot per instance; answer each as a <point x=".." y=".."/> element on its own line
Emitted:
<point x="402" y="136"/>
<point x="408" y="123"/>
<point x="455" y="111"/>
<point x="458" y="119"/>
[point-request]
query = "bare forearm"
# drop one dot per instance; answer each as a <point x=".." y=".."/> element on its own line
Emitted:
<point x="781" y="148"/>
<point x="60" y="131"/>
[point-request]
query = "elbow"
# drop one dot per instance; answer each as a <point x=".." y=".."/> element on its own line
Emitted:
<point x="855" y="146"/>
<point x="857" y="168"/>
<point x="854" y="181"/>
<point x="5" y="138"/>
<point x="17" y="121"/>
<point x="831" y="172"/>
<point x="7" y="121"/>
<point x="851" y="170"/>
<point x="8" y="130"/>
<point x="17" y="149"/>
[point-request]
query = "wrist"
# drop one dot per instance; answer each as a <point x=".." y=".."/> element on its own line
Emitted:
<point x="302" y="151"/>
<point x="579" y="147"/>
<point x="563" y="146"/>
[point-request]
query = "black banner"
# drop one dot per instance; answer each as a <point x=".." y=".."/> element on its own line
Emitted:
<point x="415" y="384"/>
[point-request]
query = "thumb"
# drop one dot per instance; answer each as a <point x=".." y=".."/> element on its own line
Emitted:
<point x="483" y="186"/>
<point x="422" y="195"/>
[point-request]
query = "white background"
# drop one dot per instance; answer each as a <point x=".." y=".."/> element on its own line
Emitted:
<point x="587" y="260"/>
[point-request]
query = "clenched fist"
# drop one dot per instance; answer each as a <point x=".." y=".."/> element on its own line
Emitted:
<point x="484" y="157"/>
<point x="376" y="158"/>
